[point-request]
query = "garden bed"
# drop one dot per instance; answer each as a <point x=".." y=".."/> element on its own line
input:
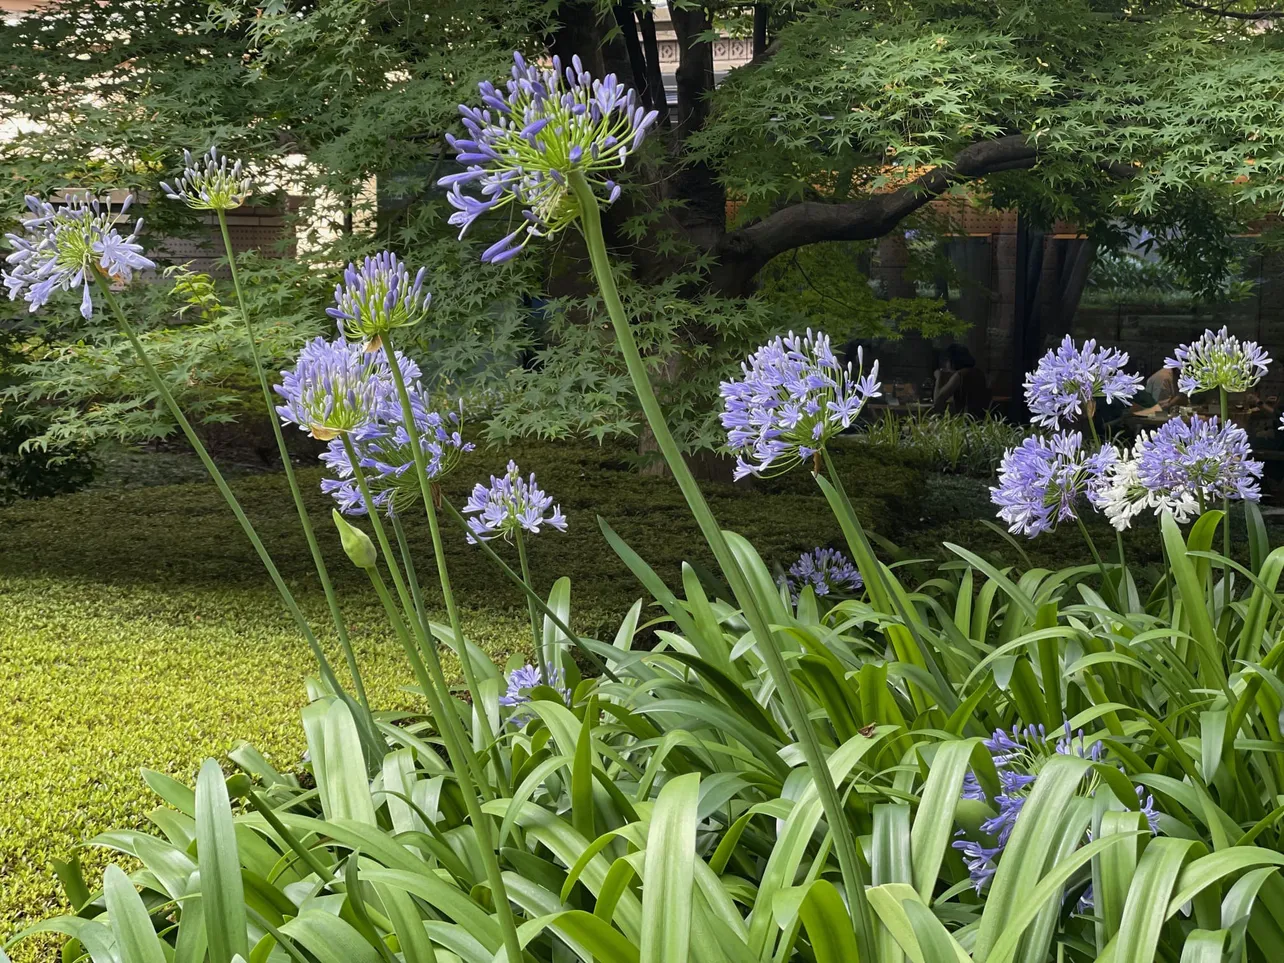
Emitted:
<point x="140" y="620"/>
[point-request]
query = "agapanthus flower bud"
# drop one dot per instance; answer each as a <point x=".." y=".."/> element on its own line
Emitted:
<point x="336" y="388"/>
<point x="795" y="395"/>
<point x="827" y="570"/>
<point x="520" y="683"/>
<point x="1199" y="457"/>
<point x="61" y="247"/>
<point x="1066" y="382"/>
<point x="377" y="296"/>
<point x="523" y="145"/>
<point x="208" y="183"/>
<point x="356" y="543"/>
<point x="509" y="503"/>
<point x="1043" y="481"/>
<point x="1218" y="360"/>
<point x="387" y="458"/>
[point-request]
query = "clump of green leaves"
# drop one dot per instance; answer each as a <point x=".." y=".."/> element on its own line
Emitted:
<point x="946" y="442"/>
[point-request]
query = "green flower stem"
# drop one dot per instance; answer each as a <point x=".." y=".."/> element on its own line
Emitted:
<point x="408" y="563"/>
<point x="532" y="596"/>
<point x="1096" y="557"/>
<point x="439" y="551"/>
<point x="459" y="754"/>
<point x="247" y="526"/>
<point x="1226" y="522"/>
<point x="537" y="636"/>
<point x="272" y="819"/>
<point x="340" y="627"/>
<point x="892" y="599"/>
<point x="1123" y="565"/>
<point x="796" y="710"/>
<point x="422" y="636"/>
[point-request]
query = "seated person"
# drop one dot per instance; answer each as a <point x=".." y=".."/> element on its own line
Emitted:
<point x="1162" y="387"/>
<point x="960" y="385"/>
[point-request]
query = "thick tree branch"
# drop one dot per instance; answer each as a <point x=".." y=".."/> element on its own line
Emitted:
<point x="742" y="253"/>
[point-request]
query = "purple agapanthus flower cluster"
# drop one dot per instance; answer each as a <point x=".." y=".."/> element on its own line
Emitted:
<point x="1018" y="756"/>
<point x="525" y="144"/>
<point x="209" y="183"/>
<point x="387" y="458"/>
<point x="1200" y="457"/>
<point x="520" y="683"/>
<point x="61" y="248"/>
<point x="1044" y="480"/>
<point x="1063" y="387"/>
<point x="827" y="570"/>
<point x="508" y="504"/>
<point x="377" y="296"/>
<point x="1218" y="360"/>
<point x="793" y="397"/>
<point x="345" y="393"/>
<point x="335" y="387"/>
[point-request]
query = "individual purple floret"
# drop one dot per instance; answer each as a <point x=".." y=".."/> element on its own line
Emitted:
<point x="826" y="570"/>
<point x="1199" y="456"/>
<point x="1043" y="481"/>
<point x="793" y="397"/>
<point x="377" y="296"/>
<point x="387" y="459"/>
<point x="508" y="504"/>
<point x="1018" y="756"/>
<point x="61" y="248"/>
<point x="208" y="183"/>
<point x="1063" y="387"/>
<point x="520" y="683"/>
<point x="335" y="387"/>
<point x="1218" y="360"/>
<point x="524" y="145"/>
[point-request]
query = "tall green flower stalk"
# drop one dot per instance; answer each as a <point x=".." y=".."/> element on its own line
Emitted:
<point x="162" y="389"/>
<point x="430" y="497"/>
<point x="437" y="692"/>
<point x="213" y="183"/>
<point x="590" y="223"/>
<point x="550" y="146"/>
<point x="305" y="521"/>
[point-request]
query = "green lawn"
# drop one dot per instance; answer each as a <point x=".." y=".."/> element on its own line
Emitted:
<point x="136" y="630"/>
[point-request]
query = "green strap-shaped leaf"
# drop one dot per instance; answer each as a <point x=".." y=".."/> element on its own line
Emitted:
<point x="1207" y="870"/>
<point x="1203" y="946"/>
<point x="829" y="929"/>
<point x="934" y="821"/>
<point x="669" y="872"/>
<point x="135" y="936"/>
<point x="222" y="892"/>
<point x="933" y="938"/>
<point x="348" y="792"/>
<point x="329" y="939"/>
<point x="1026" y="854"/>
<point x="1148" y="898"/>
<point x="1191" y="589"/>
<point x="599" y="939"/>
<point x="890" y="856"/>
<point x="554" y="639"/>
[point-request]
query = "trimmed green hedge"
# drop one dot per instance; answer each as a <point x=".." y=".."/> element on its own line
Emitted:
<point x="136" y="629"/>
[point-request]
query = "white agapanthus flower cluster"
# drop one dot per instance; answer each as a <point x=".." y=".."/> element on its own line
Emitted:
<point x="1123" y="496"/>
